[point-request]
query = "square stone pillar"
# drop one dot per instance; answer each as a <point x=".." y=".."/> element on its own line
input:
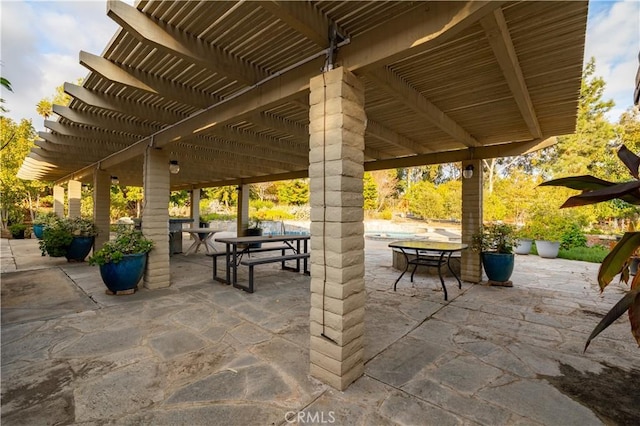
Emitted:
<point x="195" y="207"/>
<point x="155" y="217"/>
<point x="336" y="157"/>
<point x="470" y="264"/>
<point x="101" y="206"/>
<point x="58" y="200"/>
<point x="242" y="217"/>
<point x="74" y="188"/>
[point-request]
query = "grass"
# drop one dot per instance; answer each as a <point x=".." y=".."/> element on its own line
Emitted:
<point x="595" y="254"/>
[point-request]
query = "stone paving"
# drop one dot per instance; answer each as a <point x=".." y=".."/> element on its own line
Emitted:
<point x="203" y="353"/>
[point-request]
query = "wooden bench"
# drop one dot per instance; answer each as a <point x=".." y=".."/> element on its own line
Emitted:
<point x="263" y="260"/>
<point x="244" y="251"/>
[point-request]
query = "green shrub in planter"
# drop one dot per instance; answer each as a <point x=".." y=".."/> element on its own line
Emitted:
<point x="59" y="233"/>
<point x="127" y="241"/>
<point x="17" y="230"/>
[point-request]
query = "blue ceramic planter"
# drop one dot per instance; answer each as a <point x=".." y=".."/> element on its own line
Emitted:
<point x="498" y="266"/>
<point x="125" y="274"/>
<point x="37" y="231"/>
<point x="79" y="248"/>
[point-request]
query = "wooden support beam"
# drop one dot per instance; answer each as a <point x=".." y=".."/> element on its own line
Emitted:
<point x="402" y="92"/>
<point x="185" y="46"/>
<point x="499" y="38"/>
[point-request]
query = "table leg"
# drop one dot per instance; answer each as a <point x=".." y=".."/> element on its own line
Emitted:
<point x="228" y="263"/>
<point x="406" y="266"/>
<point x="235" y="264"/>
<point x="454" y="274"/>
<point x="440" y="262"/>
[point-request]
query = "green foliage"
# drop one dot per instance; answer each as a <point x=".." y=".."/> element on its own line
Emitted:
<point x="595" y="254"/>
<point x="16" y="140"/>
<point x="225" y="195"/>
<point x="127" y="241"/>
<point x="17" y="228"/>
<point x="45" y="218"/>
<point x="272" y="214"/>
<point x="573" y="237"/>
<point x="370" y="192"/>
<point x="424" y="201"/>
<point x="293" y="192"/>
<point x="496" y="237"/>
<point x="262" y="205"/>
<point x="216" y="216"/>
<point x="59" y="232"/>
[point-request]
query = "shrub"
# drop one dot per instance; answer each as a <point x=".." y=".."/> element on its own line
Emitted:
<point x="573" y="237"/>
<point x="127" y="241"/>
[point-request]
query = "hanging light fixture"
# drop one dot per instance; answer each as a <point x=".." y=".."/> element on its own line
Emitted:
<point x="115" y="180"/>
<point x="174" y="167"/>
<point x="467" y="173"/>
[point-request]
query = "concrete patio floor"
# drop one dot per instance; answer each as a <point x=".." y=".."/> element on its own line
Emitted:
<point x="203" y="353"/>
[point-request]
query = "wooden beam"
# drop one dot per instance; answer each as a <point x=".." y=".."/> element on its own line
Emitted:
<point x="389" y="136"/>
<point x="272" y="121"/>
<point x="302" y="17"/>
<point x="499" y="38"/>
<point x="169" y="40"/>
<point x="88" y="134"/>
<point x="105" y="122"/>
<point x="145" y="82"/>
<point x="493" y="151"/>
<point x="402" y="92"/>
<point x="424" y="27"/>
<point x="114" y="103"/>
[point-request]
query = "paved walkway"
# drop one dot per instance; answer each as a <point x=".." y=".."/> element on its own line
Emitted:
<point x="202" y="353"/>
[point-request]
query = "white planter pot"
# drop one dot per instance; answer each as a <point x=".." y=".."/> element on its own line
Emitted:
<point x="523" y="246"/>
<point x="548" y="249"/>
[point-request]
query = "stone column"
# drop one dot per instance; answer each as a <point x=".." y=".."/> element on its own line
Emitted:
<point x="243" y="210"/>
<point x="155" y="217"/>
<point x="101" y="206"/>
<point x="336" y="128"/>
<point x="470" y="265"/>
<point x="74" y="188"/>
<point x="195" y="207"/>
<point x="58" y="200"/>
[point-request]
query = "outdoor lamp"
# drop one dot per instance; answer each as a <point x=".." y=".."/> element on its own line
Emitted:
<point x="467" y="173"/>
<point x="174" y="167"/>
<point x="115" y="180"/>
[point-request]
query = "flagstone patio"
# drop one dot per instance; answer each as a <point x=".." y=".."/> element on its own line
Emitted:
<point x="201" y="352"/>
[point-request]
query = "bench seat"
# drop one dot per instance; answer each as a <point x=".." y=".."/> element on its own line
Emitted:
<point x="247" y="251"/>
<point x="251" y="262"/>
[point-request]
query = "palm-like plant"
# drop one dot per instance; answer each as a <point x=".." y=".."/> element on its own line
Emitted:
<point x="596" y="190"/>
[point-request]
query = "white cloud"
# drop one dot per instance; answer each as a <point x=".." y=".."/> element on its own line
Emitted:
<point x="613" y="38"/>
<point x="41" y="55"/>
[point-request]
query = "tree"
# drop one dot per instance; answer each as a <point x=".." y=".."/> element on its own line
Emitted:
<point x="293" y="192"/>
<point x="369" y="191"/>
<point x="583" y="152"/>
<point x="424" y="201"/>
<point x="44" y="108"/>
<point x="15" y="194"/>
<point x="386" y="182"/>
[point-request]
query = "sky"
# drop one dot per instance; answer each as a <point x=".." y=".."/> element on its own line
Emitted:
<point x="40" y="42"/>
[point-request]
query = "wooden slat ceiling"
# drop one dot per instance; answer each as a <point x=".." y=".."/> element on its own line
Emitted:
<point x="223" y="86"/>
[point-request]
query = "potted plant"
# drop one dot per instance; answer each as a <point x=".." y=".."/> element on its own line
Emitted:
<point x="546" y="230"/>
<point x="495" y="242"/>
<point x="41" y="221"/>
<point x="17" y="230"/>
<point x="255" y="229"/>
<point x="122" y="261"/>
<point x="72" y="238"/>
<point x="524" y="241"/>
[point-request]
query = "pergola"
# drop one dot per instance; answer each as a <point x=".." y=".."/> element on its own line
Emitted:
<point x="242" y="92"/>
